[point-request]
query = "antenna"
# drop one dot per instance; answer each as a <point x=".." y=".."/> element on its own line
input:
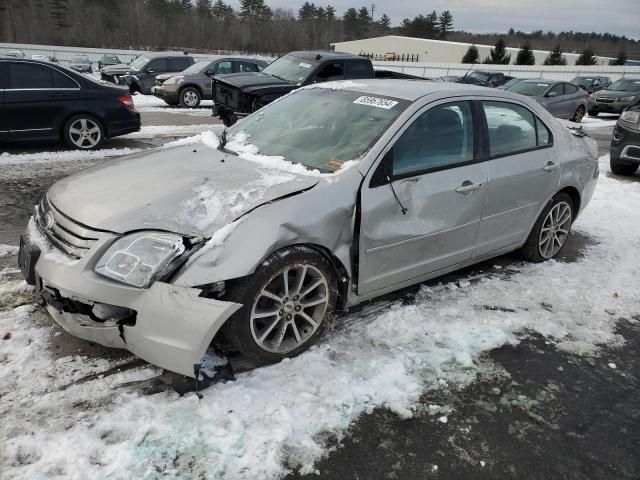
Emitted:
<point x="373" y="9"/>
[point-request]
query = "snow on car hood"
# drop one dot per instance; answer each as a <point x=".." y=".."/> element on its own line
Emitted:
<point x="192" y="190"/>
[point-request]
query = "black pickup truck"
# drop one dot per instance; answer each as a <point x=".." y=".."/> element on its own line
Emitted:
<point x="237" y="95"/>
<point x="485" y="78"/>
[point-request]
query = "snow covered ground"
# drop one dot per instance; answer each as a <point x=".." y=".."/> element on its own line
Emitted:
<point x="64" y="418"/>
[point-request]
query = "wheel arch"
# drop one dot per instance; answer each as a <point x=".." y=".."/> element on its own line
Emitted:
<point x="574" y="194"/>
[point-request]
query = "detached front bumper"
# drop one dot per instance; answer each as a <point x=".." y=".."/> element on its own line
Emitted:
<point x="166" y="325"/>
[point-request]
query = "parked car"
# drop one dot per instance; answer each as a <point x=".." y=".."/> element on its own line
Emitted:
<point x="108" y="60"/>
<point x="15" y="54"/>
<point x="81" y="63"/>
<point x="42" y="58"/>
<point x="448" y="78"/>
<point x="44" y="101"/>
<point x="192" y="85"/>
<point x="236" y="95"/>
<point x="618" y="96"/>
<point x="347" y="191"/>
<point x="140" y="75"/>
<point x="591" y="83"/>
<point x="625" y="144"/>
<point x="512" y="82"/>
<point x="485" y="78"/>
<point x="562" y="99"/>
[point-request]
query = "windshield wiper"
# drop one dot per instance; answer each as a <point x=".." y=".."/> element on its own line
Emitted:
<point x="223" y="143"/>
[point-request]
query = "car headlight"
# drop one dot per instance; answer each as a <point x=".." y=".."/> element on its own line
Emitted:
<point x="626" y="99"/>
<point x="136" y="259"/>
<point x="174" y="80"/>
<point x="631" y="116"/>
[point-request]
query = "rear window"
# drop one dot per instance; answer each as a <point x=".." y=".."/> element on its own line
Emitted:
<point x="531" y="89"/>
<point x="32" y="76"/>
<point x="358" y="70"/>
<point x="178" y="64"/>
<point x="568" y="88"/>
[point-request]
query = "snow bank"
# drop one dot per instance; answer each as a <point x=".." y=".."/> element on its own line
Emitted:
<point x="8" y="250"/>
<point x="278" y="418"/>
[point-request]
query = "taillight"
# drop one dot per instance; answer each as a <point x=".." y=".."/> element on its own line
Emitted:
<point x="127" y="101"/>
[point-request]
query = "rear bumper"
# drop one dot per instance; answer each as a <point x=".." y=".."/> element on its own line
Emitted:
<point x="119" y="127"/>
<point x="166" y="95"/>
<point x="166" y="325"/>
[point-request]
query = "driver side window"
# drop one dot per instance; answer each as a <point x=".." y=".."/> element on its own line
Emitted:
<point x="331" y="72"/>
<point x="439" y="138"/>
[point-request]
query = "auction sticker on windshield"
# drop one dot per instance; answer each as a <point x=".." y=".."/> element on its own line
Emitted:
<point x="376" y="102"/>
<point x="305" y="65"/>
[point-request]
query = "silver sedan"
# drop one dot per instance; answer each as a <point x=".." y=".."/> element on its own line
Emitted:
<point x="564" y="100"/>
<point x="332" y="195"/>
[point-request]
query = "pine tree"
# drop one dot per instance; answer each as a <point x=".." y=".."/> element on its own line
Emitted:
<point x="432" y="28"/>
<point x="445" y="22"/>
<point x="331" y="12"/>
<point x="525" y="55"/>
<point x="385" y="24"/>
<point x="60" y="13"/>
<point x="221" y="11"/>
<point x="587" y="57"/>
<point x="350" y="22"/>
<point x="307" y="11"/>
<point x="498" y="55"/>
<point x="621" y="59"/>
<point x="555" y="57"/>
<point x="472" y="55"/>
<point x="254" y="10"/>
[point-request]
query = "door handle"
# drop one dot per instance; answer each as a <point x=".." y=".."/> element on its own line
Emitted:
<point x="468" y="187"/>
<point x="550" y="167"/>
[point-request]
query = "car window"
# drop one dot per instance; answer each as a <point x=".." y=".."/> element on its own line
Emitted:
<point x="178" y="64"/>
<point x="26" y="75"/>
<point x="568" y="89"/>
<point x="440" y="137"/>
<point x="222" y="67"/>
<point x="247" y="67"/>
<point x="159" y="65"/>
<point x="544" y="135"/>
<point x="330" y="72"/>
<point x="358" y="70"/>
<point x="511" y="128"/>
<point x="557" y="89"/>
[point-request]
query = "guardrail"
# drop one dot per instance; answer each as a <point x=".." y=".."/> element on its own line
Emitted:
<point x="525" y="71"/>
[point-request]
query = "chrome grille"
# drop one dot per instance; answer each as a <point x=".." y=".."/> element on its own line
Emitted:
<point x="69" y="236"/>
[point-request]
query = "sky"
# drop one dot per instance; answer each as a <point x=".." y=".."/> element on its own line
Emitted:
<point x="621" y="17"/>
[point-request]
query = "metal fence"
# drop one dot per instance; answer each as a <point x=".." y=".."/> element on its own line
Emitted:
<point x="525" y="71"/>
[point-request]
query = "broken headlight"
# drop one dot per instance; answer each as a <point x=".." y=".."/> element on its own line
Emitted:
<point x="137" y="258"/>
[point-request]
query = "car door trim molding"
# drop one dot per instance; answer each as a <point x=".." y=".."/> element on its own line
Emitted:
<point x="421" y="237"/>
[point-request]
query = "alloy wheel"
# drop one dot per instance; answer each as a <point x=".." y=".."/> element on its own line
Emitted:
<point x="555" y="229"/>
<point x="85" y="133"/>
<point x="579" y="115"/>
<point x="289" y="308"/>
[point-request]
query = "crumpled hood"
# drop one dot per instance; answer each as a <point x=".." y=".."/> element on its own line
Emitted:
<point x="251" y="81"/>
<point x="119" y="69"/>
<point x="192" y="190"/>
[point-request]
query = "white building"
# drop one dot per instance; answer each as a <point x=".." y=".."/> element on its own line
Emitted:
<point x="433" y="51"/>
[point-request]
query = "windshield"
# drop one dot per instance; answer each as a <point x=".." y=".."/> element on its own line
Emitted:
<point x="511" y="83"/>
<point x="583" y="81"/>
<point x="480" y="76"/>
<point x="531" y="89"/>
<point x="197" y="67"/>
<point x="289" y="68"/>
<point x="625" y="85"/>
<point x="139" y="62"/>
<point x="319" y="128"/>
<point x="80" y="59"/>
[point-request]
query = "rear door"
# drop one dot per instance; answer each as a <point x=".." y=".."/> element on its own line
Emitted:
<point x="522" y="174"/>
<point x="433" y="175"/>
<point x="36" y="100"/>
<point x="574" y="99"/>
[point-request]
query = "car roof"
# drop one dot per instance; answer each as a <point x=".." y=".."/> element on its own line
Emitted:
<point x="165" y="54"/>
<point x="412" y="90"/>
<point x="324" y="55"/>
<point x="543" y="80"/>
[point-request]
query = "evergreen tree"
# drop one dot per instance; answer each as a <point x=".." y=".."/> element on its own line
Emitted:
<point x="203" y="8"/>
<point x="472" y="55"/>
<point x="331" y="13"/>
<point x="445" y="22"/>
<point x="254" y="10"/>
<point x="587" y="57"/>
<point x="525" y="55"/>
<point x="498" y="55"/>
<point x="621" y="59"/>
<point x="60" y="13"/>
<point x="221" y="11"/>
<point x="307" y="11"/>
<point x="385" y="24"/>
<point x="350" y="23"/>
<point x="432" y="28"/>
<point x="555" y="57"/>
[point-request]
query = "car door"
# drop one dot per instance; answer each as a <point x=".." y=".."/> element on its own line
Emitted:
<point x="522" y="174"/>
<point x="154" y="68"/>
<point x="37" y="97"/>
<point x="574" y="99"/>
<point x="554" y="101"/>
<point x="421" y="209"/>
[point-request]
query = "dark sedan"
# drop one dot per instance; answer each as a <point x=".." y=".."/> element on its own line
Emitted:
<point x="49" y="102"/>
<point x="625" y="145"/>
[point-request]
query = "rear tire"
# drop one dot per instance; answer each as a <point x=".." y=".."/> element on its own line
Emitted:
<point x="286" y="305"/>
<point x="623" y="169"/>
<point x="551" y="230"/>
<point x="83" y="132"/>
<point x="189" y="97"/>
<point x="593" y="113"/>
<point x="578" y="115"/>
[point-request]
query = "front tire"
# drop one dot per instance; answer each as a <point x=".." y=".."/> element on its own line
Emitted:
<point x="83" y="132"/>
<point x="578" y="115"/>
<point x="551" y="230"/>
<point x="623" y="169"/>
<point x="286" y="305"/>
<point x="189" y="97"/>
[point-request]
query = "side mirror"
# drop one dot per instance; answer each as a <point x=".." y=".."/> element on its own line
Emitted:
<point x="150" y="71"/>
<point x="551" y="94"/>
